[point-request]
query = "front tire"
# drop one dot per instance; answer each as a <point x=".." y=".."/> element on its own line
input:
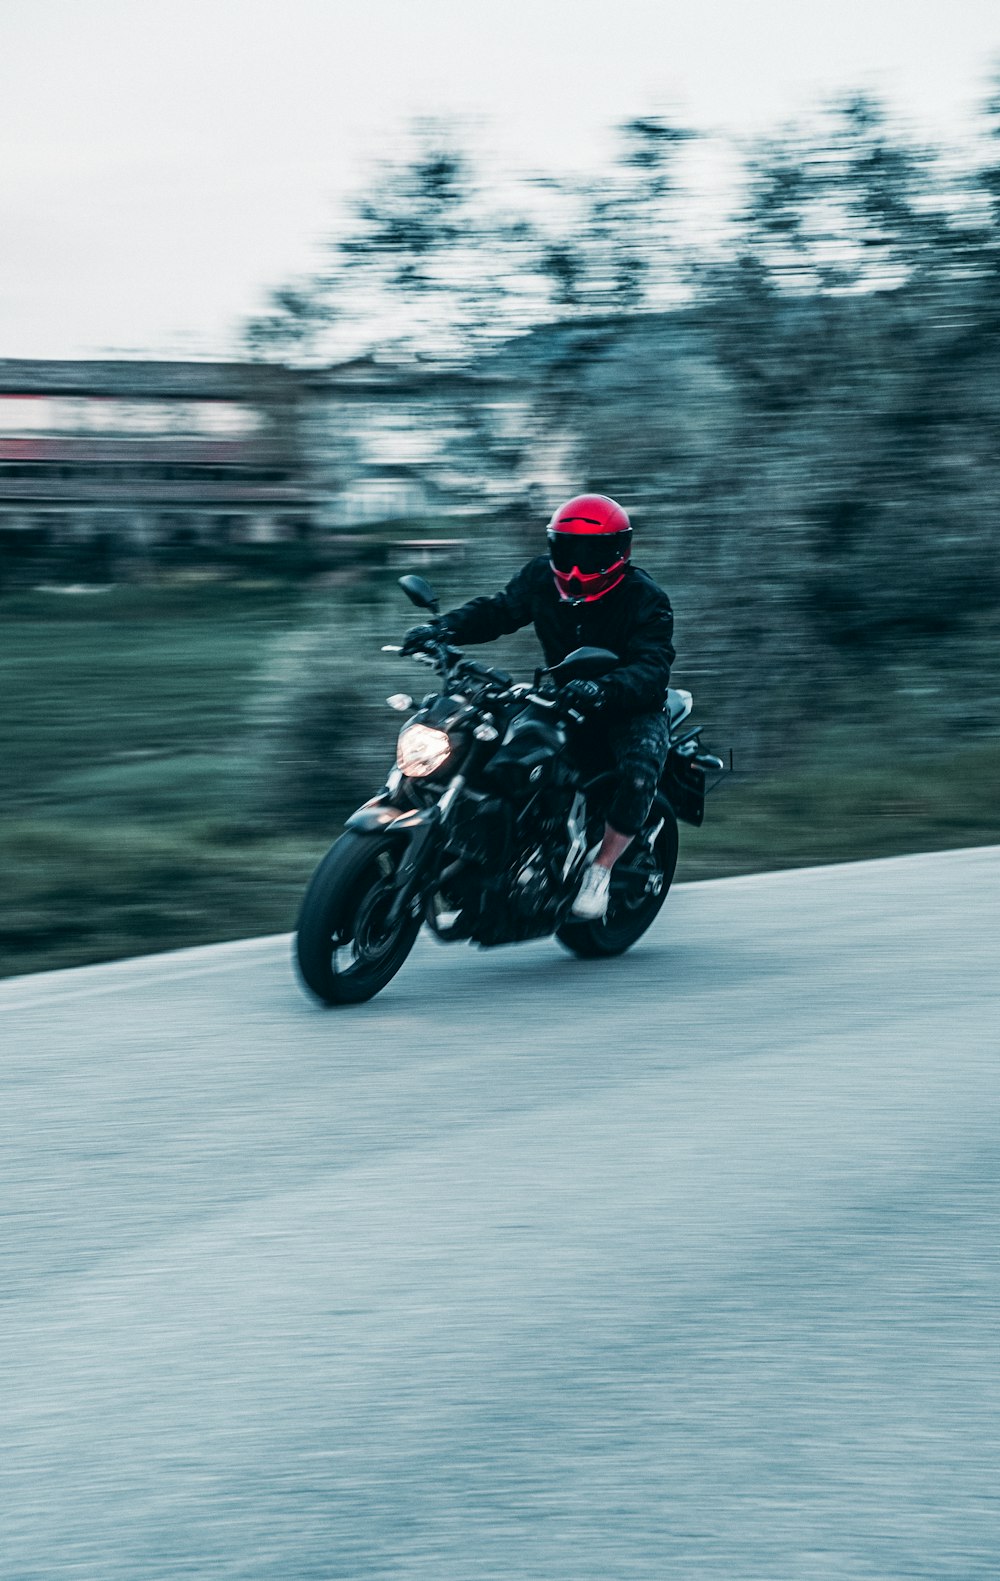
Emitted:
<point x="627" y="920"/>
<point x="344" y="949"/>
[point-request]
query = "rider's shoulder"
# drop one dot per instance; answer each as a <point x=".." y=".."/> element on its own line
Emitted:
<point x="645" y="588"/>
<point x="537" y="573"/>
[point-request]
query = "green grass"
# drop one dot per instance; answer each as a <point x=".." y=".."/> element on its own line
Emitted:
<point x="120" y="688"/>
<point x="76" y="892"/>
<point x="127" y="820"/>
<point x="847" y="811"/>
<point x="131" y="816"/>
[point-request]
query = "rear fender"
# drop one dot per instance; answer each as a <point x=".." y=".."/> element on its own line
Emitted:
<point x="682" y="789"/>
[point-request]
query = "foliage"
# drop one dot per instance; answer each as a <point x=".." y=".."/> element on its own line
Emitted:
<point x="431" y="258"/>
<point x="799" y="405"/>
<point x="322" y="738"/>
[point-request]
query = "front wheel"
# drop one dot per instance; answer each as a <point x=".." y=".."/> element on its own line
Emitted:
<point x="345" y="947"/>
<point x="639" y="885"/>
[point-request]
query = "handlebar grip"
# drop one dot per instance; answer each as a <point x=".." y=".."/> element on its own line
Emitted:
<point x="485" y="673"/>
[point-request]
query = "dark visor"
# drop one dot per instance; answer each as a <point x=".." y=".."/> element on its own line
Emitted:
<point x="587" y="552"/>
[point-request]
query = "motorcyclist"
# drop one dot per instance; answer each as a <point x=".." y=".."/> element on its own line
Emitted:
<point x="585" y="591"/>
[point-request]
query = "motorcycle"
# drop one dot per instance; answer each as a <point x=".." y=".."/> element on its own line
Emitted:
<point x="484" y="826"/>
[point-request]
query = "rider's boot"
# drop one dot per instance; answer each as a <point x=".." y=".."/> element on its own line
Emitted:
<point x="591" y="903"/>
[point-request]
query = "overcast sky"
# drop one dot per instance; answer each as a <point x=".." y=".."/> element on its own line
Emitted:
<point x="163" y="161"/>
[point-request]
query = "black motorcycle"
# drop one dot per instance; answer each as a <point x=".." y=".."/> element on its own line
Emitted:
<point x="484" y="827"/>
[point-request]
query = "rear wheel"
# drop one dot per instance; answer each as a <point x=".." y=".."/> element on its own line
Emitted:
<point x="345" y="947"/>
<point x="639" y="885"/>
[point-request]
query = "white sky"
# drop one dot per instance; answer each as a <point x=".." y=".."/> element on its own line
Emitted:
<point x="163" y="161"/>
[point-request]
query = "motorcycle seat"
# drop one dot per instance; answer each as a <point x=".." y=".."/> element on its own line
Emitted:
<point x="679" y="705"/>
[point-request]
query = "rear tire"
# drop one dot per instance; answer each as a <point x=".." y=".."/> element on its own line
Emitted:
<point x="626" y="920"/>
<point x="344" y="951"/>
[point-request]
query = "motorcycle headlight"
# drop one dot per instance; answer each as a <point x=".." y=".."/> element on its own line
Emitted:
<point x="421" y="750"/>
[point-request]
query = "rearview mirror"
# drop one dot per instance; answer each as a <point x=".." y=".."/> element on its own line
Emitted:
<point x="420" y="593"/>
<point x="584" y="664"/>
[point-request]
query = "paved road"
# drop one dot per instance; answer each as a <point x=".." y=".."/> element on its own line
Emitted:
<point x="681" y="1266"/>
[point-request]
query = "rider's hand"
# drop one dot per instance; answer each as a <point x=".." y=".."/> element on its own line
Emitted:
<point x="419" y="638"/>
<point x="586" y="697"/>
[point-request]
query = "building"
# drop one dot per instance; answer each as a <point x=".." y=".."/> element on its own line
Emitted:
<point x="186" y="458"/>
<point x="151" y="454"/>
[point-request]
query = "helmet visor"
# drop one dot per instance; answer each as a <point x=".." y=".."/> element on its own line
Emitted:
<point x="588" y="553"/>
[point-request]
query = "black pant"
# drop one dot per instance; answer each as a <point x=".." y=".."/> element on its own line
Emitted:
<point x="634" y="747"/>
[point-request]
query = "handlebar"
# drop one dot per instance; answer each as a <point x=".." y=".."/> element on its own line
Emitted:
<point x="486" y="673"/>
<point x="452" y="664"/>
<point x="451" y="661"/>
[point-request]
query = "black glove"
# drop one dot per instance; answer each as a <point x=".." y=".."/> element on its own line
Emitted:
<point x="586" y="697"/>
<point x="419" y="638"/>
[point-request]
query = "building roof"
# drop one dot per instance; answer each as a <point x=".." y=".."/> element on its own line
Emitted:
<point x="132" y="380"/>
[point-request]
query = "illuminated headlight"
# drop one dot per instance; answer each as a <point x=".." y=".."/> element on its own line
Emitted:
<point x="421" y="750"/>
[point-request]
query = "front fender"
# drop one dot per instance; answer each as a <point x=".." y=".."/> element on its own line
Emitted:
<point x="373" y="817"/>
<point x="376" y="816"/>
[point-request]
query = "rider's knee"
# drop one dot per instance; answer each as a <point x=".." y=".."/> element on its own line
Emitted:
<point x="633" y="798"/>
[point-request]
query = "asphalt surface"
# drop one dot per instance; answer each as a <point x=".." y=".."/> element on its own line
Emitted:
<point x="685" y="1265"/>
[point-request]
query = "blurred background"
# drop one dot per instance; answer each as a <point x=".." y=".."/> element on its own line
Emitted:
<point x="293" y="301"/>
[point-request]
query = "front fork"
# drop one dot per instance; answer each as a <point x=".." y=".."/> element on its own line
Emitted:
<point x="425" y="829"/>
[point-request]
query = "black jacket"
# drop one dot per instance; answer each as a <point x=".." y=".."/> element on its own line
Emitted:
<point x="634" y="620"/>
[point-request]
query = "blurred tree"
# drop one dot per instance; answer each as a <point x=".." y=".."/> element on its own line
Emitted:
<point x="415" y="213"/>
<point x="846" y="205"/>
<point x="427" y="261"/>
<point x="293" y="321"/>
<point x="430" y="260"/>
<point x="803" y="421"/>
<point x="989" y="179"/>
<point x="610" y="242"/>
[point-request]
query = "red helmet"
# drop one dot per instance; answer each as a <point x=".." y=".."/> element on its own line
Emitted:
<point x="590" y="543"/>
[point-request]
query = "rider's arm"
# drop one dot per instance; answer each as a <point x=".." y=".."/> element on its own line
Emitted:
<point x="639" y="684"/>
<point x="483" y="619"/>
